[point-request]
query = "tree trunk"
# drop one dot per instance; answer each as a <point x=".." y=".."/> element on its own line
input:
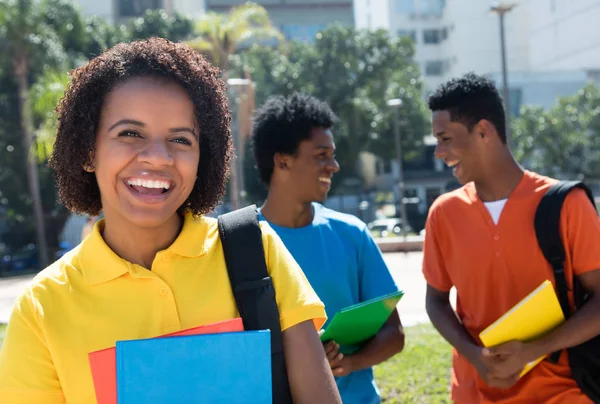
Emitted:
<point x="21" y="72"/>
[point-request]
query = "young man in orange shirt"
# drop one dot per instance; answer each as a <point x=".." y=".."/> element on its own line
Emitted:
<point x="481" y="240"/>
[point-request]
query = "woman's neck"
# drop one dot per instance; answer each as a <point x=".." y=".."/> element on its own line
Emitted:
<point x="139" y="245"/>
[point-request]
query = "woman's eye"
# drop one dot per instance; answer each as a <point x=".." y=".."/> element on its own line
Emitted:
<point x="182" y="140"/>
<point x="129" y="133"/>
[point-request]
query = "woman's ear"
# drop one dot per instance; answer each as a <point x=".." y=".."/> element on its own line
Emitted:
<point x="88" y="166"/>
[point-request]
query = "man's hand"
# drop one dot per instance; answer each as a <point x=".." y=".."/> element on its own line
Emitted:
<point x="500" y="366"/>
<point x="511" y="357"/>
<point x="341" y="365"/>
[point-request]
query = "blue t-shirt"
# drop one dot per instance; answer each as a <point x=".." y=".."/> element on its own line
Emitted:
<point x="344" y="266"/>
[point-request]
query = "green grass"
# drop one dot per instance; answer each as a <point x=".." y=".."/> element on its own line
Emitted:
<point x="420" y="373"/>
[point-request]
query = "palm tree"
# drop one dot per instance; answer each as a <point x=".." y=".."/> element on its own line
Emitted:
<point x="45" y="94"/>
<point x="222" y="35"/>
<point x="219" y="37"/>
<point x="25" y="37"/>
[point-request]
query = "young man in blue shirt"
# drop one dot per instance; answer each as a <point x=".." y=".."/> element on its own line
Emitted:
<point x="295" y="156"/>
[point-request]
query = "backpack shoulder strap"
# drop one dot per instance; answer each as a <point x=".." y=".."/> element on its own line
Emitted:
<point x="252" y="287"/>
<point x="547" y="229"/>
<point x="241" y="238"/>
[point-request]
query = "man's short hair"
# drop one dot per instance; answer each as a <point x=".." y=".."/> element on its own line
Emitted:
<point x="282" y="123"/>
<point x="469" y="99"/>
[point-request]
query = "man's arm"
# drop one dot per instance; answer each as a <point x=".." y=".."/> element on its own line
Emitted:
<point x="581" y="327"/>
<point x="437" y="302"/>
<point x="388" y="341"/>
<point x="581" y="238"/>
<point x="445" y="320"/>
<point x="374" y="280"/>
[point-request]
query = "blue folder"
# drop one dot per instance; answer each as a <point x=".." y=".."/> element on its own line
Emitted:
<point x="232" y="367"/>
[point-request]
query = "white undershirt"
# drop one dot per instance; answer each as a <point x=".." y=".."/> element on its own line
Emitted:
<point x="495" y="208"/>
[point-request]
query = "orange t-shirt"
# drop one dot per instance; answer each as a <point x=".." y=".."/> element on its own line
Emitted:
<point x="494" y="266"/>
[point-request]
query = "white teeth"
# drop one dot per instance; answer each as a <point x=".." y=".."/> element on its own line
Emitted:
<point x="452" y="163"/>
<point x="325" y="179"/>
<point x="149" y="183"/>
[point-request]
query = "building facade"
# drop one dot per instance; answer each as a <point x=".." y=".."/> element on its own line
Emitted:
<point x="298" y="20"/>
<point x="122" y="10"/>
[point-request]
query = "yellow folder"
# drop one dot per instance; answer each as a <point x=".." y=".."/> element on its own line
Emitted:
<point x="537" y="314"/>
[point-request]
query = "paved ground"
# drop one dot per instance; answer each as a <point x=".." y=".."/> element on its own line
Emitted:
<point x="10" y="288"/>
<point x="406" y="268"/>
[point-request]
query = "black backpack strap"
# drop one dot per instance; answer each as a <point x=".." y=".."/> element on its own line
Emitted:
<point x="252" y="287"/>
<point x="547" y="229"/>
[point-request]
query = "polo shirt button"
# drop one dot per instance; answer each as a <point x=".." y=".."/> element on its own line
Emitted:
<point x="496" y="237"/>
<point x="497" y="255"/>
<point x="163" y="291"/>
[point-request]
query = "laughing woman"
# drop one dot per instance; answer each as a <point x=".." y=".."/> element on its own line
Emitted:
<point x="144" y="137"/>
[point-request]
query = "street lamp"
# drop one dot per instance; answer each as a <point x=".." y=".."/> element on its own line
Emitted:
<point x="396" y="103"/>
<point x="238" y="193"/>
<point x="501" y="9"/>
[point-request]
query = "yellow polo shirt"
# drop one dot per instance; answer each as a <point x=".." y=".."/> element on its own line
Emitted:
<point x="91" y="298"/>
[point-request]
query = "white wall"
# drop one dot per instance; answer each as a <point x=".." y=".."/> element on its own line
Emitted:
<point x="100" y="8"/>
<point x="542" y="88"/>
<point x="190" y="8"/>
<point x="474" y="37"/>
<point x="372" y="14"/>
<point x="417" y="22"/>
<point x="565" y="34"/>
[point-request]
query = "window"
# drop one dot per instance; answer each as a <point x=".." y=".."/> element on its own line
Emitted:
<point x="411" y="33"/>
<point x="405" y="6"/>
<point x="431" y="7"/>
<point x="135" y="8"/>
<point x="387" y="166"/>
<point x="434" y="36"/>
<point x="434" y="68"/>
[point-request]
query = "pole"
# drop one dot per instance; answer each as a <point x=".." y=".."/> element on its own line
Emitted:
<point x="234" y="178"/>
<point x="398" y="139"/>
<point x="238" y="88"/>
<point x="239" y="151"/>
<point x="504" y="74"/>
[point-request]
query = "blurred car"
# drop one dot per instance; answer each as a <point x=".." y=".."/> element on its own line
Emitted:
<point x="389" y="226"/>
<point x="25" y="259"/>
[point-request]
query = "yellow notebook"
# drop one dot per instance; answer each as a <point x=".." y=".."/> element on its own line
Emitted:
<point x="537" y="314"/>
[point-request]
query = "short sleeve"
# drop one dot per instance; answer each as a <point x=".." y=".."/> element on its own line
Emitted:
<point x="27" y="373"/>
<point x="434" y="268"/>
<point x="583" y="232"/>
<point x="296" y="299"/>
<point x="375" y="277"/>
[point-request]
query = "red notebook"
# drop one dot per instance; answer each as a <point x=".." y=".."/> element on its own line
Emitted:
<point x="103" y="363"/>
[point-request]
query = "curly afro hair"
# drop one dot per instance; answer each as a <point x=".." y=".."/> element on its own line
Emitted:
<point x="469" y="99"/>
<point x="282" y="123"/>
<point x="80" y="108"/>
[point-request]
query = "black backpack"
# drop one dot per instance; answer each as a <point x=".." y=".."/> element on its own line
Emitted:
<point x="584" y="359"/>
<point x="253" y="288"/>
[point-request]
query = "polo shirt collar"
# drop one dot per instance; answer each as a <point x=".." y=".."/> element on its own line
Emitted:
<point x="193" y="239"/>
<point x="100" y="264"/>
